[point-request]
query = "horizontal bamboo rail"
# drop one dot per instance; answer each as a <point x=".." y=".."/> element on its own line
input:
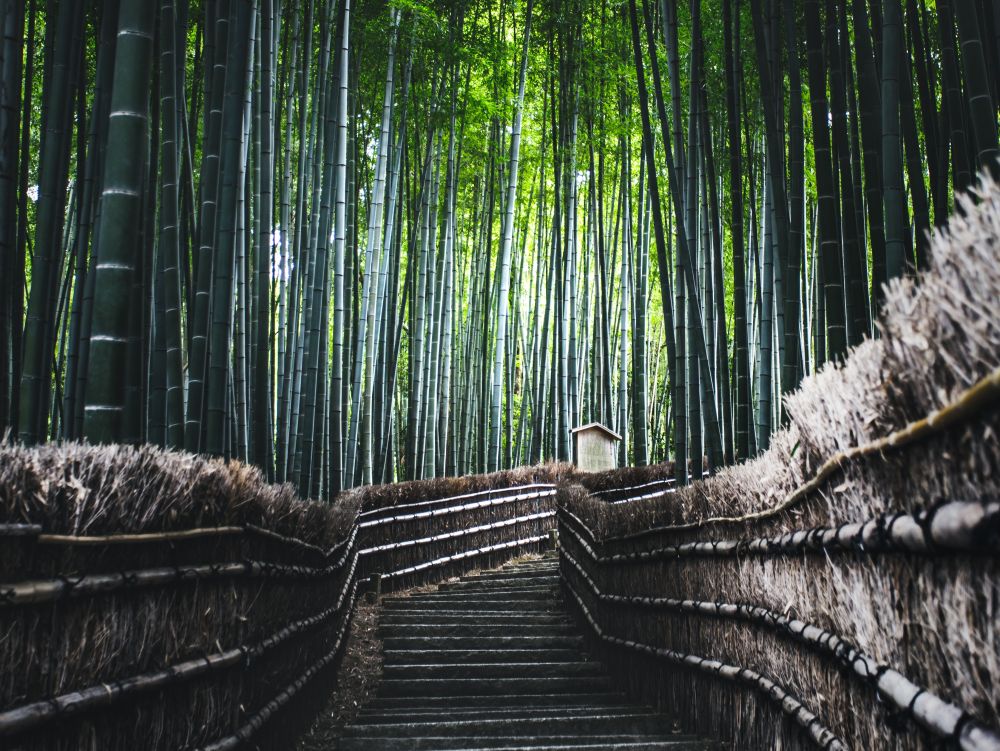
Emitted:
<point x="501" y="501"/>
<point x="959" y="526"/>
<point x="457" y="533"/>
<point x="36" y="531"/>
<point x="466" y="555"/>
<point x="250" y="728"/>
<point x="20" y="530"/>
<point x="46" y="590"/>
<point x="490" y="492"/>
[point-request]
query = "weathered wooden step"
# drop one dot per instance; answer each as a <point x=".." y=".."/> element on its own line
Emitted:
<point x="483" y="642"/>
<point x="492" y="686"/>
<point x="477" y="629"/>
<point x="494" y="670"/>
<point x="521" y="700"/>
<point x="533" y="727"/>
<point x="438" y="656"/>
<point x="517" y="743"/>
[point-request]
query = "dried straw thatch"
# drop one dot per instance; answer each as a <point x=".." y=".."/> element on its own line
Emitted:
<point x="172" y="596"/>
<point x="680" y="573"/>
<point x="625" y="477"/>
<point x="405" y="493"/>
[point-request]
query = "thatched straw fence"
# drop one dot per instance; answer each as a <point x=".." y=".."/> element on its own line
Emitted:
<point x="843" y="589"/>
<point x="180" y="602"/>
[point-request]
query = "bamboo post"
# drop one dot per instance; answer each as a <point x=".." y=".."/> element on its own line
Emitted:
<point x="375" y="587"/>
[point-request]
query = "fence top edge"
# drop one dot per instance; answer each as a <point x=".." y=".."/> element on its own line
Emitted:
<point x="497" y="492"/>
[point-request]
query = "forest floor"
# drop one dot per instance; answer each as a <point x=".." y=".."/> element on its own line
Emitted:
<point x="358" y="676"/>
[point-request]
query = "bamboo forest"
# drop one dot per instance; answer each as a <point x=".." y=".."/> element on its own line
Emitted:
<point x="360" y="243"/>
<point x="499" y="375"/>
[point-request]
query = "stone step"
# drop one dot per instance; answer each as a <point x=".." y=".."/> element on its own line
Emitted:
<point x="406" y="714"/>
<point x="503" y="580"/>
<point x="501" y="585"/>
<point x="543" y="568"/>
<point x="477" y="656"/>
<point x="489" y="670"/>
<point x="498" y="701"/>
<point x="456" y="617"/>
<point x="476" y="629"/>
<point x="527" y="593"/>
<point x="483" y="642"/>
<point x="532" y="727"/>
<point x="420" y="687"/>
<point x="518" y="743"/>
<point x="544" y="574"/>
<point x="472" y="604"/>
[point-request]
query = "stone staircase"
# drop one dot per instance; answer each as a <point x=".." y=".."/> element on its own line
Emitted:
<point x="492" y="661"/>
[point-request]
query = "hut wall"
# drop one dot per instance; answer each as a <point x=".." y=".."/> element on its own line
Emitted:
<point x="594" y="451"/>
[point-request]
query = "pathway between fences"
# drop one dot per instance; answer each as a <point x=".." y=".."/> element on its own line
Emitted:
<point x="494" y="661"/>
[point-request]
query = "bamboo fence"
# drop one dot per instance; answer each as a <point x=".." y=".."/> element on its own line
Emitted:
<point x="214" y="620"/>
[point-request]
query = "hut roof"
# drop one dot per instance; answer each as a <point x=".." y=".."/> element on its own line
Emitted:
<point x="597" y="426"/>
